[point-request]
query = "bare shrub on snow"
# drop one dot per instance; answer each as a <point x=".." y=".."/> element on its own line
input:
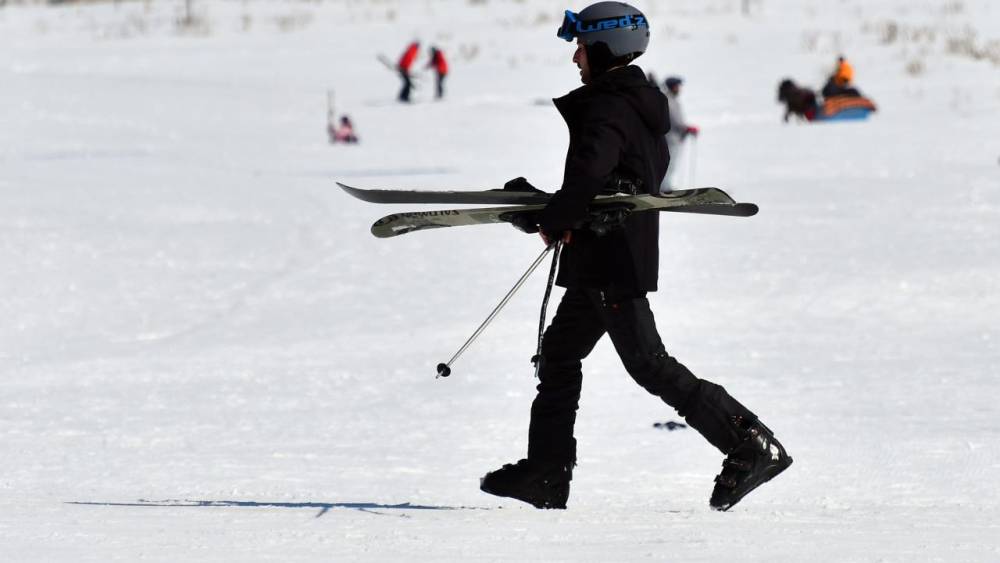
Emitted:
<point x="293" y="22"/>
<point x="193" y="25"/>
<point x="813" y="41"/>
<point x="468" y="52"/>
<point x="915" y="67"/>
<point x="965" y="43"/>
<point x="953" y="8"/>
<point x="962" y="42"/>
<point x="891" y="32"/>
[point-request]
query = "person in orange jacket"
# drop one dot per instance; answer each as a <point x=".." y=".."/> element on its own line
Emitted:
<point x="844" y="74"/>
<point x="839" y="83"/>
<point x="403" y="66"/>
<point x="440" y="69"/>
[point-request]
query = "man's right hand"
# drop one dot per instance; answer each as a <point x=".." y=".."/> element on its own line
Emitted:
<point x="565" y="237"/>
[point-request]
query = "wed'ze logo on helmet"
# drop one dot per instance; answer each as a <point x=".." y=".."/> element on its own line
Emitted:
<point x="629" y="21"/>
<point x="573" y="26"/>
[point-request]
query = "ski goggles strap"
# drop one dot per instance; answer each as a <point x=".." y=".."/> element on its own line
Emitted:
<point x="568" y="29"/>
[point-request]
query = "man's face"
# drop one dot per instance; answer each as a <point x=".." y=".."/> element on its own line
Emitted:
<point x="580" y="58"/>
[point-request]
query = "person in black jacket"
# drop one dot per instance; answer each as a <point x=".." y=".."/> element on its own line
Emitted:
<point x="617" y="121"/>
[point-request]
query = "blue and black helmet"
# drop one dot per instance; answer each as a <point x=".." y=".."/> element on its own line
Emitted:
<point x="623" y="28"/>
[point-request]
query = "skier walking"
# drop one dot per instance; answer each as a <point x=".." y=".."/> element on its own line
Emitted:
<point x="440" y="66"/>
<point x="679" y="132"/>
<point x="403" y="66"/>
<point x="617" y="121"/>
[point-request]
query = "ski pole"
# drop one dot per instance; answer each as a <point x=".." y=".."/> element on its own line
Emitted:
<point x="537" y="359"/>
<point x="444" y="370"/>
<point x="693" y="162"/>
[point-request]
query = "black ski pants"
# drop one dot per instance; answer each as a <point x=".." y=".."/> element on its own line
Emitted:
<point x="440" y="85"/>
<point x="583" y="316"/>
<point x="404" y="94"/>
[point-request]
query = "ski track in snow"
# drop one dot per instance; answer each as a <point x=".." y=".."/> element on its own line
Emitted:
<point x="205" y="356"/>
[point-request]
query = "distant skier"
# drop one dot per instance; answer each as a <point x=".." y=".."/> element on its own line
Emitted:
<point x="403" y="66"/>
<point x="344" y="133"/>
<point x="617" y="121"/>
<point x="440" y="66"/>
<point x="679" y="132"/>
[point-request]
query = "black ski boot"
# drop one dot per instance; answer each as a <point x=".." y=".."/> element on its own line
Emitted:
<point x="540" y="484"/>
<point x="753" y="462"/>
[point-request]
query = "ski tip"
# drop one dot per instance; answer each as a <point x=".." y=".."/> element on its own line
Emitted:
<point x="727" y="209"/>
<point x="379" y="230"/>
<point x="357" y="193"/>
<point x="744" y="209"/>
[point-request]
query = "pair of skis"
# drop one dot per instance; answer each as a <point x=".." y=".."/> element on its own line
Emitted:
<point x="506" y="205"/>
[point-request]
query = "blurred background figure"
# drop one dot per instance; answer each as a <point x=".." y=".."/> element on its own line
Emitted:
<point x="799" y="101"/>
<point x="680" y="130"/>
<point x="839" y="83"/>
<point x="344" y="133"/>
<point x="440" y="66"/>
<point x="844" y="73"/>
<point x="403" y="66"/>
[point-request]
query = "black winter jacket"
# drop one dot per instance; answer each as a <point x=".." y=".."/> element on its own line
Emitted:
<point x="616" y="126"/>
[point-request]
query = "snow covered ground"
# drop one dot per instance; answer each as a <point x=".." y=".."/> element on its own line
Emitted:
<point x="204" y="356"/>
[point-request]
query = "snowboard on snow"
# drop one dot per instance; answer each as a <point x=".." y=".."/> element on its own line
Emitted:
<point x="510" y="204"/>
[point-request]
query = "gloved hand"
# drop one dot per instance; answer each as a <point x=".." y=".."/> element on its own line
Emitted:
<point x="519" y="184"/>
<point x="692" y="130"/>
<point x="526" y="222"/>
<point x="566" y="237"/>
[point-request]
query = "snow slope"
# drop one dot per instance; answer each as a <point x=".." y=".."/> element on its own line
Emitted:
<point x="206" y="357"/>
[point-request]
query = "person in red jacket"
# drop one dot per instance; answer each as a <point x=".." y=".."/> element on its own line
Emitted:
<point x="403" y="66"/>
<point x="440" y="67"/>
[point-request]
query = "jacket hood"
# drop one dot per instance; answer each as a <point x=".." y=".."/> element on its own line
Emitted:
<point x="631" y="83"/>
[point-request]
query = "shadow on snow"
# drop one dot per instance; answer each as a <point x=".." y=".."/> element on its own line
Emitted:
<point x="324" y="507"/>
